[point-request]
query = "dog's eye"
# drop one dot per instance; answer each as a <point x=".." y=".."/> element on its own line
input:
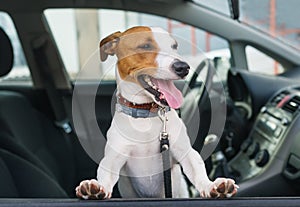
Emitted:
<point x="145" y="46"/>
<point x="174" y="46"/>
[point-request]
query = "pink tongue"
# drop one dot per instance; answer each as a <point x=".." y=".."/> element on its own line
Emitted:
<point x="172" y="95"/>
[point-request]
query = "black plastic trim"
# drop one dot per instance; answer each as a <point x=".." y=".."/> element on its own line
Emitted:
<point x="262" y="202"/>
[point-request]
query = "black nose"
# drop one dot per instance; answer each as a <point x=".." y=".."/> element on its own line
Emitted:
<point x="181" y="68"/>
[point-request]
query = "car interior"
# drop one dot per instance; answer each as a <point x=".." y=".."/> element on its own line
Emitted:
<point x="48" y="143"/>
<point x="36" y="146"/>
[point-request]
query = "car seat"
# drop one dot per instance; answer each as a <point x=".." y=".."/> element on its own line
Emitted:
<point x="34" y="155"/>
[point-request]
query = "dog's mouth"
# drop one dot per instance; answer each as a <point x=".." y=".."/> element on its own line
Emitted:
<point x="164" y="91"/>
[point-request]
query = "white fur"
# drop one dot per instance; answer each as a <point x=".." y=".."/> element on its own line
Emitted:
<point x="132" y="91"/>
<point x="133" y="146"/>
<point x="167" y="55"/>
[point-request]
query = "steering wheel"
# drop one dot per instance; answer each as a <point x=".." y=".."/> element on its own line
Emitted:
<point x="195" y="98"/>
<point x="205" y="136"/>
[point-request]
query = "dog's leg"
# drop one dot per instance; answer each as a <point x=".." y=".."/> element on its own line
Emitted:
<point x="107" y="176"/>
<point x="194" y="168"/>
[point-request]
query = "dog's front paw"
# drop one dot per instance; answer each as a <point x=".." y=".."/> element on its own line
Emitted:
<point x="221" y="188"/>
<point x="91" y="189"/>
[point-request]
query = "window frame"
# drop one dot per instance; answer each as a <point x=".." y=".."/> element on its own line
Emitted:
<point x="20" y="73"/>
<point x="169" y="21"/>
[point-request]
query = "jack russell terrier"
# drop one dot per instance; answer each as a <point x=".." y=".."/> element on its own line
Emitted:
<point x="148" y="63"/>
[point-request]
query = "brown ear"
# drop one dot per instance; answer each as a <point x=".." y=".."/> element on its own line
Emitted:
<point x="108" y="45"/>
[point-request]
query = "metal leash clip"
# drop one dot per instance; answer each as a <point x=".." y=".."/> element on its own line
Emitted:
<point x="164" y="136"/>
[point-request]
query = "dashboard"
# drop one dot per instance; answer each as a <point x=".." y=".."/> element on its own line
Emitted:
<point x="272" y="147"/>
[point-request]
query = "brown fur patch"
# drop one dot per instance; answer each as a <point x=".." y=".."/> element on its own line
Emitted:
<point x="132" y="57"/>
<point x="108" y="45"/>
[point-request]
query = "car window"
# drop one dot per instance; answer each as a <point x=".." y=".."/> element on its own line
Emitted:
<point x="261" y="63"/>
<point x="268" y="16"/>
<point x="274" y="17"/>
<point x="20" y="72"/>
<point x="77" y="33"/>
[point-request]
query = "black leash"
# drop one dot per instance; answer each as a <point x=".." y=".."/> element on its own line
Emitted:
<point x="164" y="149"/>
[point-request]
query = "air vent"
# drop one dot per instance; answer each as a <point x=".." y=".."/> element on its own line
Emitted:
<point x="277" y="99"/>
<point x="292" y="105"/>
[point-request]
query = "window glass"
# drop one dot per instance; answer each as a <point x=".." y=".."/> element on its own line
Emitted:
<point x="20" y="71"/>
<point x="278" y="18"/>
<point x="77" y="33"/>
<point x="262" y="63"/>
<point x="274" y="17"/>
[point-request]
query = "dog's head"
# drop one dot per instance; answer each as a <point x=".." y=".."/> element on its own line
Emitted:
<point x="148" y="57"/>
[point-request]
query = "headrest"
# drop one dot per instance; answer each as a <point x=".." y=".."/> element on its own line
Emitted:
<point x="6" y="54"/>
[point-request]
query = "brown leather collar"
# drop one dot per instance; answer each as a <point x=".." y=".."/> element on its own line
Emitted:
<point x="152" y="107"/>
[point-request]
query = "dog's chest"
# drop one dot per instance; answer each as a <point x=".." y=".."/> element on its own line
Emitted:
<point x="150" y="187"/>
<point x="144" y="160"/>
<point x="146" y="149"/>
<point x="140" y="131"/>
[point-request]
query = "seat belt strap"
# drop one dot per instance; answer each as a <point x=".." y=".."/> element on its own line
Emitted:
<point x="62" y="121"/>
